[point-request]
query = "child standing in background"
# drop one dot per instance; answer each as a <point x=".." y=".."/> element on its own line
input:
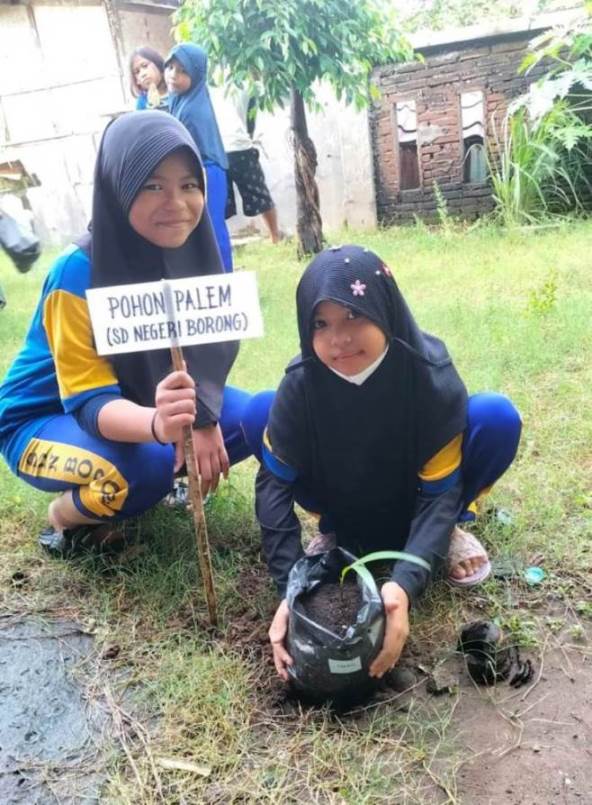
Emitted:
<point x="147" y="82"/>
<point x="186" y="75"/>
<point x="232" y="107"/>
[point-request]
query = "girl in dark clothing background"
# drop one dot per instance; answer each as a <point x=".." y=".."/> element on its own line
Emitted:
<point x="372" y="429"/>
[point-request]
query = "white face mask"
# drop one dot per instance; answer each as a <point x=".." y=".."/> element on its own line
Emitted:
<point x="362" y="376"/>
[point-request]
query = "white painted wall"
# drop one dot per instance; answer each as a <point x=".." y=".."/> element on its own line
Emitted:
<point x="57" y="84"/>
<point x="56" y="98"/>
<point x="344" y="174"/>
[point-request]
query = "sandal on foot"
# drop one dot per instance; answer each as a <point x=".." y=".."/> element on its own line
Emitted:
<point x="178" y="497"/>
<point x="464" y="545"/>
<point x="103" y="539"/>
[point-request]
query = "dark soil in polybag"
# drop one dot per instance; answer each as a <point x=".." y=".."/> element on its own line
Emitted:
<point x="334" y="606"/>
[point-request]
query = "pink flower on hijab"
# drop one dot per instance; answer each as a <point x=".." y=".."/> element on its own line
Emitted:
<point x="358" y="288"/>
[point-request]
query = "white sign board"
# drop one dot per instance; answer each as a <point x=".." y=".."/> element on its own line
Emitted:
<point x="195" y="310"/>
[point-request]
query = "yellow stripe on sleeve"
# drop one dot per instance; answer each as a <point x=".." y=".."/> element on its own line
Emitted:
<point x="445" y="462"/>
<point x="69" y="333"/>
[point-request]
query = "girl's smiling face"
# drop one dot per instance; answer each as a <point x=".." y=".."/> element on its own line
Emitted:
<point x="146" y="74"/>
<point x="344" y="340"/>
<point x="177" y="80"/>
<point x="170" y="203"/>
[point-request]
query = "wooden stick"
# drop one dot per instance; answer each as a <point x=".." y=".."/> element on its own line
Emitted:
<point x="196" y="501"/>
<point x="195" y="497"/>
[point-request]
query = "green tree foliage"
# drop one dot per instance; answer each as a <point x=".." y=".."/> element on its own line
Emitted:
<point x="436" y="15"/>
<point x="278" y="50"/>
<point x="568" y="46"/>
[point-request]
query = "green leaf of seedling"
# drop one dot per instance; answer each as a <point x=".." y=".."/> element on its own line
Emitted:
<point x="360" y="564"/>
<point x="362" y="572"/>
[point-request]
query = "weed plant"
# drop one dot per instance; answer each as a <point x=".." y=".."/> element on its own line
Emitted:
<point x="534" y="175"/>
<point x="539" y="157"/>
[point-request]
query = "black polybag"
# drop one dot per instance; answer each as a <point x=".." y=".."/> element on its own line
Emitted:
<point x="488" y="659"/>
<point x="21" y="246"/>
<point x="326" y="666"/>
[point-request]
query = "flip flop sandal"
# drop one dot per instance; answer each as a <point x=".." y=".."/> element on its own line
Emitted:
<point x="178" y="496"/>
<point x="102" y="539"/>
<point x="464" y="545"/>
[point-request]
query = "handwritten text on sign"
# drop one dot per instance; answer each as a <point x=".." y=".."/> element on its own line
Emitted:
<point x="132" y="318"/>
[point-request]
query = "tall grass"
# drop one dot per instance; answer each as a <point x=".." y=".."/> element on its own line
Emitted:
<point x="539" y="161"/>
<point x="534" y="172"/>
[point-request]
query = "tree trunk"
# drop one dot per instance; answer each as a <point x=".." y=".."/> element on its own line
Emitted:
<point x="309" y="226"/>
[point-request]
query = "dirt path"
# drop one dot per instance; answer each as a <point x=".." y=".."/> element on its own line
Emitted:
<point x="532" y="746"/>
<point x="502" y="746"/>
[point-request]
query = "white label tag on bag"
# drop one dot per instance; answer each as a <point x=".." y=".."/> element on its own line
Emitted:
<point x="345" y="666"/>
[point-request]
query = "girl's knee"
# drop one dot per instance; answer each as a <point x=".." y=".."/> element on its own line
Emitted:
<point x="495" y="414"/>
<point x="130" y="483"/>
<point x="490" y="443"/>
<point x="254" y="419"/>
<point x="149" y="473"/>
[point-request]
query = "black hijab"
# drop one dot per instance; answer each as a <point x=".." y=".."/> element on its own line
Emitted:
<point x="131" y="148"/>
<point x="359" y="448"/>
<point x="358" y="278"/>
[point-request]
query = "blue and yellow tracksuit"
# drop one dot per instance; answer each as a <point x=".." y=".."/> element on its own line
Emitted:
<point x="57" y="372"/>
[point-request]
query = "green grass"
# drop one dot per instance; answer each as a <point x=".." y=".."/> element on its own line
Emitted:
<point x="515" y="310"/>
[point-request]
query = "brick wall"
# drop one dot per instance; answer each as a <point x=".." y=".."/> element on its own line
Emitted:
<point x="436" y="86"/>
<point x="145" y="26"/>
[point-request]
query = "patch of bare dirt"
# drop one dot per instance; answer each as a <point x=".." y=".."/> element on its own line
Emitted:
<point x="532" y="746"/>
<point x="526" y="746"/>
<point x="246" y="632"/>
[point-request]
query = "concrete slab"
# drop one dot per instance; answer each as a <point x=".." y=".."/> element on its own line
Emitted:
<point x="52" y="735"/>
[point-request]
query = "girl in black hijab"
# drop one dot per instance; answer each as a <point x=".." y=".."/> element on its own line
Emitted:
<point x="372" y="429"/>
<point x="106" y="432"/>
